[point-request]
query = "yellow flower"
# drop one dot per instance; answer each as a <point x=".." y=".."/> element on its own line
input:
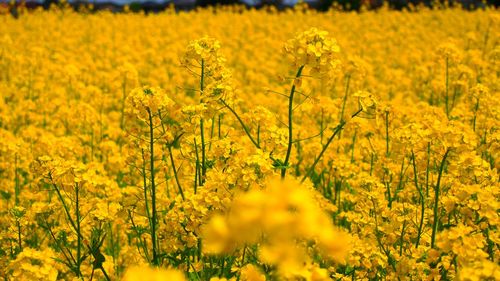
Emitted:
<point x="313" y="48"/>
<point x="145" y="273"/>
<point x="145" y="101"/>
<point x="250" y="273"/>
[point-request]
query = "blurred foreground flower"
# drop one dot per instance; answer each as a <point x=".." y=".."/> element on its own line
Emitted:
<point x="283" y="219"/>
<point x="146" y="273"/>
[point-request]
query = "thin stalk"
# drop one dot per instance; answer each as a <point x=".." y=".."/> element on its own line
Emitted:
<point x="427" y="170"/>
<point x="344" y="100"/>
<point x="211" y="134"/>
<point x="139" y="236"/>
<point x="422" y="201"/>
<point x="203" y="153"/>
<point x="17" y="187"/>
<point x="389" y="198"/>
<point x="436" y="199"/>
<point x="454" y="98"/>
<point x="338" y="190"/>
<point x="175" y="171"/>
<point x="145" y="184"/>
<point x="19" y="241"/>
<point x="17" y="191"/>
<point x="387" y="151"/>
<point x="372" y="160"/>
<point x="72" y="223"/>
<point x="202" y="128"/>
<point x="92" y="146"/>
<point x="401" y="241"/>
<point x="222" y="267"/>
<point x="401" y="183"/>
<point x="352" y="147"/>
<point x="243" y="255"/>
<point x="197" y="167"/>
<point x="153" y="189"/>
<point x="219" y="125"/>
<point x="476" y="107"/>
<point x="378" y="234"/>
<point x="335" y="132"/>
<point x="245" y="128"/>
<point x="70" y="260"/>
<point x="65" y="207"/>
<point x="290" y="125"/>
<point x="258" y="134"/>
<point x="321" y="125"/>
<point x="78" y="229"/>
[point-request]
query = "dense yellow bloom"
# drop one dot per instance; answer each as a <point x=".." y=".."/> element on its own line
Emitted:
<point x="148" y="147"/>
<point x="145" y="101"/>
<point x="313" y="48"/>
<point x="145" y="273"/>
<point x="206" y="49"/>
<point x="31" y="264"/>
<point x="277" y="218"/>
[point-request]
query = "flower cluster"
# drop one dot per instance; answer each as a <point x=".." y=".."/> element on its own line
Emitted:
<point x="143" y="102"/>
<point x="215" y="79"/>
<point x="282" y="218"/>
<point x="227" y="168"/>
<point x="315" y="49"/>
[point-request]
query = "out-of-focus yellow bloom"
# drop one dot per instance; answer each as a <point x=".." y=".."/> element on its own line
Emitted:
<point x="146" y="273"/>
<point x="315" y="49"/>
<point x="407" y="189"/>
<point x="277" y="218"/>
<point x="32" y="264"/>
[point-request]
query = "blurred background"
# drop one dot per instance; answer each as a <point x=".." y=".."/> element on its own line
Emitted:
<point x="159" y="5"/>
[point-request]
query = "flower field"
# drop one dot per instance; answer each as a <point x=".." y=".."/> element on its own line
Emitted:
<point x="239" y="144"/>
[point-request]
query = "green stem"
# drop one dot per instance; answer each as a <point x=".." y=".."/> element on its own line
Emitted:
<point x="427" y="170"/>
<point x="475" y="115"/>
<point x="202" y="128"/>
<point x="197" y="167"/>
<point x="387" y="152"/>
<point x="203" y="153"/>
<point x="78" y="229"/>
<point x="17" y="188"/>
<point x="153" y="189"/>
<point x="175" y="171"/>
<point x="401" y="240"/>
<point x="145" y="184"/>
<point x="290" y="125"/>
<point x="378" y="235"/>
<point x="389" y="198"/>
<point x="436" y="199"/>
<point x="422" y="201"/>
<point x="139" y="236"/>
<point x="372" y="161"/>
<point x="17" y="191"/>
<point x="352" y="147"/>
<point x="72" y="223"/>
<point x="211" y="134"/>
<point x="70" y="260"/>
<point x="245" y="128"/>
<point x="335" y="132"/>
<point x="19" y="241"/>
<point x="219" y="125"/>
<point x="258" y="134"/>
